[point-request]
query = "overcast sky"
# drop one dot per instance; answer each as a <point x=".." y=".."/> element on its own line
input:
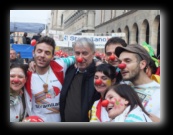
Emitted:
<point x="35" y="16"/>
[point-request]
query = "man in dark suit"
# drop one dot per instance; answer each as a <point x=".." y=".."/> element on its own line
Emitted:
<point x="78" y="93"/>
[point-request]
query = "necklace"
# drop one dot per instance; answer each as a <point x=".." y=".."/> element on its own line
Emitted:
<point x="45" y="85"/>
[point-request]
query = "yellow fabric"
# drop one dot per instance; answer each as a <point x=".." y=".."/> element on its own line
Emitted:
<point x="155" y="78"/>
<point x="93" y="117"/>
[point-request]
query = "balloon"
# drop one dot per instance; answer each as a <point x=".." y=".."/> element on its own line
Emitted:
<point x="33" y="42"/>
<point x="98" y="82"/>
<point x="33" y="119"/>
<point x="97" y="54"/>
<point x="122" y="65"/>
<point x="79" y="59"/>
<point x="105" y="103"/>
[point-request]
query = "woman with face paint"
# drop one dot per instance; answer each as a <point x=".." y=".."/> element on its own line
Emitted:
<point x="17" y="81"/>
<point x="104" y="77"/>
<point x="124" y="105"/>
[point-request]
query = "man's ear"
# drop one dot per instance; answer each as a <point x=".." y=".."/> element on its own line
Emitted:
<point x="114" y="81"/>
<point x="143" y="64"/>
<point x="126" y="102"/>
<point x="52" y="58"/>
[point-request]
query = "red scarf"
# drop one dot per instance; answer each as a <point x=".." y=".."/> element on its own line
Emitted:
<point x="57" y="69"/>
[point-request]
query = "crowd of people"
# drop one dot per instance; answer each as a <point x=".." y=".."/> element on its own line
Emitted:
<point x="25" y="38"/>
<point x="81" y="88"/>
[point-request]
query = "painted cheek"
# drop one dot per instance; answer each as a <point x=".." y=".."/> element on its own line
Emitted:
<point x="49" y="56"/>
<point x="108" y="82"/>
<point x="23" y="80"/>
<point x="112" y="101"/>
<point x="118" y="103"/>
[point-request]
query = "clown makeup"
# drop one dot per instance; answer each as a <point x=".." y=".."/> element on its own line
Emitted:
<point x="17" y="79"/>
<point x="106" y="82"/>
<point x="49" y="56"/>
<point x="20" y="74"/>
<point x="116" y="104"/>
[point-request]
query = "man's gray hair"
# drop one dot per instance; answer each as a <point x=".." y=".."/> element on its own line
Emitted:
<point x="84" y="42"/>
<point x="11" y="49"/>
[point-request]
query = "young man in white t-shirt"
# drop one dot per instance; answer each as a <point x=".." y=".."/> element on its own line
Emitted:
<point x="42" y="89"/>
<point x="136" y="59"/>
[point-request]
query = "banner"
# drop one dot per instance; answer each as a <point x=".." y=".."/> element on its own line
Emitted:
<point x="99" y="41"/>
<point x="25" y="50"/>
<point x="61" y="43"/>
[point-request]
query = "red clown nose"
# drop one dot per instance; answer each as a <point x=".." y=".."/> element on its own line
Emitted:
<point x="112" y="57"/>
<point x="33" y="42"/>
<point x="79" y="59"/>
<point x="98" y="82"/>
<point x="105" y="103"/>
<point x="122" y="65"/>
<point x="16" y="80"/>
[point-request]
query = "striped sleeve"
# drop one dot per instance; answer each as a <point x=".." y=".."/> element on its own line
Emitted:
<point x="70" y="60"/>
<point x="134" y="118"/>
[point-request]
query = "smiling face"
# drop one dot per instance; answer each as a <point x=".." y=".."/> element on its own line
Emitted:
<point x="12" y="54"/>
<point x="110" y="49"/>
<point x="43" y="54"/>
<point x="116" y="104"/>
<point x="106" y="82"/>
<point x="17" y="79"/>
<point x="86" y="54"/>
<point x="132" y="70"/>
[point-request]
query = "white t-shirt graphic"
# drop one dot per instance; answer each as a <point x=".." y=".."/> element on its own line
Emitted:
<point x="149" y="94"/>
<point x="46" y="103"/>
<point x="42" y="104"/>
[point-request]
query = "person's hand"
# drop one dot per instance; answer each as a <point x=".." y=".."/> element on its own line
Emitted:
<point x="32" y="66"/>
<point x="154" y="118"/>
<point x="98" y="62"/>
<point x="75" y="65"/>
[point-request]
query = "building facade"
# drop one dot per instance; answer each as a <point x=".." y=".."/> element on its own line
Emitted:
<point x="138" y="25"/>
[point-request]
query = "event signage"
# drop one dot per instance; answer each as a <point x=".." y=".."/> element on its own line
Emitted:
<point x="99" y="41"/>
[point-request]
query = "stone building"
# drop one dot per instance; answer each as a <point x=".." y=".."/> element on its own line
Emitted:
<point x="138" y="25"/>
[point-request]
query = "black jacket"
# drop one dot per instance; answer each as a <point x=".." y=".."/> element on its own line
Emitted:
<point x="87" y="89"/>
<point x="16" y="61"/>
